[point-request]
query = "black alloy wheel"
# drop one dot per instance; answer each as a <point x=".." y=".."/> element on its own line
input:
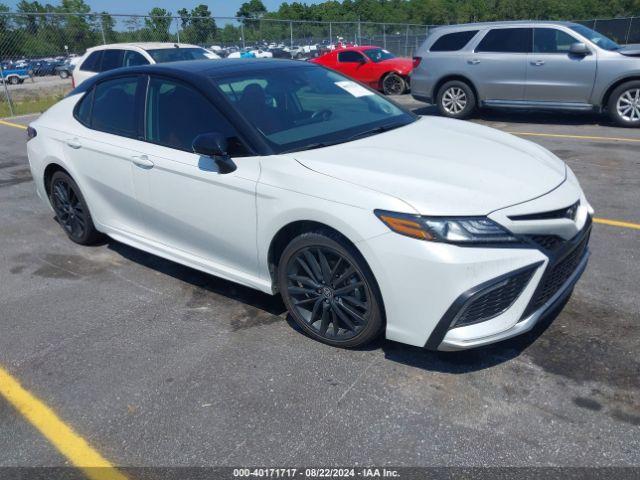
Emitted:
<point x="394" y="84"/>
<point x="71" y="210"/>
<point x="329" y="291"/>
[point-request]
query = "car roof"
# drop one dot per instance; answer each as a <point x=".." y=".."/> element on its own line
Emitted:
<point x="510" y="23"/>
<point x="145" y="45"/>
<point x="198" y="70"/>
<point x="359" y="48"/>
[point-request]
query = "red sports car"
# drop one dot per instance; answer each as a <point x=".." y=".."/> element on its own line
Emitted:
<point x="371" y="65"/>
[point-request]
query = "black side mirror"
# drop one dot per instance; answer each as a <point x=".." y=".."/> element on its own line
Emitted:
<point x="579" y="48"/>
<point x="214" y="145"/>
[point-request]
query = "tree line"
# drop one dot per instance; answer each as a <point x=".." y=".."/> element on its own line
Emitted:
<point x="39" y="34"/>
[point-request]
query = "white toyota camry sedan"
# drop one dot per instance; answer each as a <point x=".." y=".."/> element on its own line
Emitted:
<point x="292" y="179"/>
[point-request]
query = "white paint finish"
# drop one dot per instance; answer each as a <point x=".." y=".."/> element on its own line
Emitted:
<point x="177" y="206"/>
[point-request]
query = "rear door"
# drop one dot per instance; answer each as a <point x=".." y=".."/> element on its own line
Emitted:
<point x="102" y="147"/>
<point x="554" y="74"/>
<point x="498" y="64"/>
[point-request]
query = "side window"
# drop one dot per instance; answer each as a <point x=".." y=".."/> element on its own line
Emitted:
<point x="114" y="107"/>
<point x="111" y="59"/>
<point x="133" y="58"/>
<point x="92" y="63"/>
<point x="350" y="57"/>
<point x="176" y="114"/>
<point x="507" y="40"/>
<point x="551" y="40"/>
<point x="83" y="110"/>
<point x="452" y="42"/>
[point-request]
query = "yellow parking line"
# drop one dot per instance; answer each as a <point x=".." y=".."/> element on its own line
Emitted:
<point x="617" y="223"/>
<point x="14" y="125"/>
<point x="68" y="442"/>
<point x="579" y="137"/>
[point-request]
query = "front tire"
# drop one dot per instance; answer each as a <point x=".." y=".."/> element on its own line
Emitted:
<point x="14" y="80"/>
<point x="394" y="84"/>
<point x="456" y="99"/>
<point x="71" y="210"/>
<point x="624" y="104"/>
<point x="329" y="290"/>
<point x="64" y="74"/>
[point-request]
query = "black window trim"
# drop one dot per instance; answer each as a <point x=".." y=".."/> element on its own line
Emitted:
<point x="489" y="30"/>
<point x="251" y="151"/>
<point x="90" y="92"/>
<point x="533" y="45"/>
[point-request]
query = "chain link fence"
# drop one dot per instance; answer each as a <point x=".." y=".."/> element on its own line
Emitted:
<point x="35" y="49"/>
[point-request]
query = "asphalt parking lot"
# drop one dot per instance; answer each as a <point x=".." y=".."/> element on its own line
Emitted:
<point x="155" y="364"/>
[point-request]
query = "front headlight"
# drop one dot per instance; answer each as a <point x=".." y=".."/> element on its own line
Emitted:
<point x="459" y="230"/>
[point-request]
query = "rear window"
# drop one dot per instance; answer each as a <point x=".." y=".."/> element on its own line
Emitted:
<point x="93" y="61"/>
<point x="162" y="55"/>
<point x="507" y="40"/>
<point x="452" y="42"/>
<point x="111" y="59"/>
<point x="114" y="108"/>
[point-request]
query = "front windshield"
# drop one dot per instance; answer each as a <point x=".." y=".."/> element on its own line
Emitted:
<point x="163" y="55"/>
<point x="378" y="54"/>
<point x="595" y="37"/>
<point x="309" y="107"/>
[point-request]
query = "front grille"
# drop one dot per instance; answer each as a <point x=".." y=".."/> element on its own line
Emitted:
<point x="567" y="212"/>
<point x="547" y="242"/>
<point x="557" y="275"/>
<point x="494" y="299"/>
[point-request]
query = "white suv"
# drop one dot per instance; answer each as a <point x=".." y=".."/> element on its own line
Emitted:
<point x="108" y="57"/>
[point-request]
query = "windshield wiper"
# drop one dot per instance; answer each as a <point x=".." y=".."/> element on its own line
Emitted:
<point x="313" y="146"/>
<point x="374" y="131"/>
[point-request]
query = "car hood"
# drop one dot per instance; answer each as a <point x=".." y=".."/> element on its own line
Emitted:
<point x="631" y="50"/>
<point x="443" y="167"/>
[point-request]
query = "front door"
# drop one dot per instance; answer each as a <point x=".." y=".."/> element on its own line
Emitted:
<point x="554" y="74"/>
<point x="189" y="206"/>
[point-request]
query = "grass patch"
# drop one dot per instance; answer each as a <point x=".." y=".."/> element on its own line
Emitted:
<point x="38" y="105"/>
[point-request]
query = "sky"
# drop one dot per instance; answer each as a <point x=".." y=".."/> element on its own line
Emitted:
<point x="221" y="8"/>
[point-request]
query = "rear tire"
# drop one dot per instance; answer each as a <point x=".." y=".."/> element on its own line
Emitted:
<point x="394" y="84"/>
<point x="329" y="290"/>
<point x="14" y="80"/>
<point x="72" y="212"/>
<point x="624" y="105"/>
<point x="64" y="74"/>
<point x="456" y="99"/>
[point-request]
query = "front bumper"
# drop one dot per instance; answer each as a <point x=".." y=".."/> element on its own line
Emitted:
<point x="422" y="283"/>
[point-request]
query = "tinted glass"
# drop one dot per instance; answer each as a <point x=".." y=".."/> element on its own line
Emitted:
<point x="114" y="108"/>
<point x="177" y="54"/>
<point x="131" y="59"/>
<point x="111" y="59"/>
<point x="349" y="57"/>
<point x="378" y="54"/>
<point x="452" y="42"/>
<point x="299" y="107"/>
<point x="92" y="63"/>
<point x="507" y="40"/>
<point x="597" y="38"/>
<point x="83" y="110"/>
<point x="551" y="40"/>
<point x="176" y="114"/>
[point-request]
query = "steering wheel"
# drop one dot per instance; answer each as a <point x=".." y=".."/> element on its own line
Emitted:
<point x="321" y="115"/>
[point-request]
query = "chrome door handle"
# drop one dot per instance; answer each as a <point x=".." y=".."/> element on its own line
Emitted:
<point x="142" y="161"/>
<point x="74" y="143"/>
<point x="538" y="63"/>
<point x="474" y="61"/>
